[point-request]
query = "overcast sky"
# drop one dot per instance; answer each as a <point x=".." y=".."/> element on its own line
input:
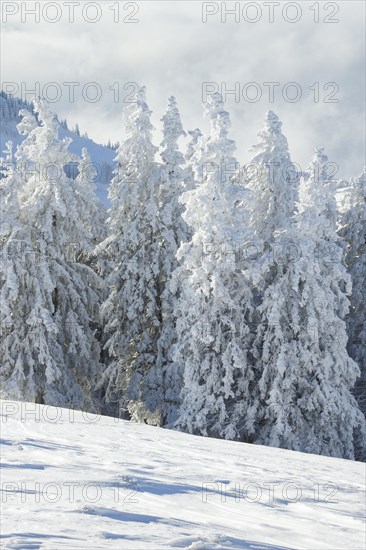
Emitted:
<point x="172" y="51"/>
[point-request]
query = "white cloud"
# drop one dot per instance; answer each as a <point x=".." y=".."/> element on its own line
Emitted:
<point x="173" y="52"/>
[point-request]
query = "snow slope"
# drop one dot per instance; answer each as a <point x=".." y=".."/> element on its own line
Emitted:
<point x="78" y="481"/>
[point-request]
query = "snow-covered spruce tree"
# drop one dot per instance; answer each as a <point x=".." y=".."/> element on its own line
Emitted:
<point x="193" y="158"/>
<point x="306" y="402"/>
<point x="273" y="179"/>
<point x="49" y="353"/>
<point x="132" y="311"/>
<point x="23" y="351"/>
<point x="91" y="211"/>
<point x="275" y="185"/>
<point x="353" y="230"/>
<point x="214" y="305"/>
<point x="173" y="232"/>
<point x="93" y="216"/>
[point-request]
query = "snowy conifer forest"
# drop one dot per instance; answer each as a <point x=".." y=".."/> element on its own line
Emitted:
<point x="210" y="295"/>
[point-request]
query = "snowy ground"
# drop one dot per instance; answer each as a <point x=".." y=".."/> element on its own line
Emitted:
<point x="80" y="481"/>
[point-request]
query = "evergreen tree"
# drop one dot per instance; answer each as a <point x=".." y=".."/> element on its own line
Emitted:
<point x="354" y="232"/>
<point x="273" y="179"/>
<point x="306" y="373"/>
<point x="274" y="182"/>
<point x="193" y="158"/>
<point x="213" y="310"/>
<point x="173" y="232"/>
<point x="49" y="353"/>
<point x="91" y="211"/>
<point x="132" y="310"/>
